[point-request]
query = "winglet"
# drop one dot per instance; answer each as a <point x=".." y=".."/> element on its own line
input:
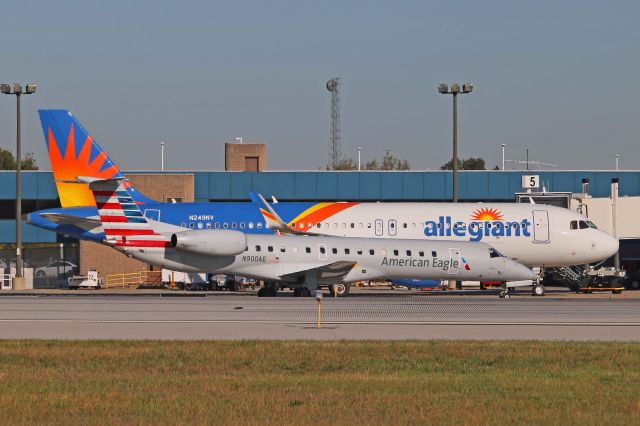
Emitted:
<point x="272" y="219"/>
<point x="270" y="216"/>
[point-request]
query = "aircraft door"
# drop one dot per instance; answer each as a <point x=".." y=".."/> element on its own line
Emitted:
<point x="322" y="252"/>
<point x="393" y="228"/>
<point x="379" y="227"/>
<point x="454" y="261"/>
<point x="540" y="226"/>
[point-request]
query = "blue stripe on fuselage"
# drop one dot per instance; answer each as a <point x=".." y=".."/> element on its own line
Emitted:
<point x="179" y="213"/>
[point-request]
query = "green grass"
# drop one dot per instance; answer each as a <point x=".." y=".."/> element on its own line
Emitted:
<point x="249" y="382"/>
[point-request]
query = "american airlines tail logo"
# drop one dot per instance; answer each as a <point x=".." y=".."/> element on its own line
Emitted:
<point x="485" y="222"/>
<point x="466" y="264"/>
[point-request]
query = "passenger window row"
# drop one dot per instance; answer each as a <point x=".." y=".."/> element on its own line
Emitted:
<point x="322" y="249"/>
<point x="325" y="225"/>
<point x="413" y="225"/>
<point x="224" y="225"/>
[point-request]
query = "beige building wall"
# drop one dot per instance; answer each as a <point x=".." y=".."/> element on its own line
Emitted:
<point x="161" y="187"/>
<point x="241" y="157"/>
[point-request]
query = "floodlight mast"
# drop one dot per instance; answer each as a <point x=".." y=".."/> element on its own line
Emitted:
<point x="444" y="89"/>
<point x="17" y="91"/>
<point x="335" y="155"/>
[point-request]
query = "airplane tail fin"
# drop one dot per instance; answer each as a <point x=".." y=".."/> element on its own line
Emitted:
<point x="73" y="152"/>
<point x="122" y="220"/>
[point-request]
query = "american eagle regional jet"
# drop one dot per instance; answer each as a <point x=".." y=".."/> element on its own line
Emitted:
<point x="301" y="262"/>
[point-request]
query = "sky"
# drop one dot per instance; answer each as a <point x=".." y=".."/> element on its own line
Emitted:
<point x="557" y="77"/>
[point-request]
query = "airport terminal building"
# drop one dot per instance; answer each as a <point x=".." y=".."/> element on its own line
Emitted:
<point x="45" y="251"/>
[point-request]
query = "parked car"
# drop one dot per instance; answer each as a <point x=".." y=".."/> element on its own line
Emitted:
<point x="8" y="264"/>
<point x="57" y="268"/>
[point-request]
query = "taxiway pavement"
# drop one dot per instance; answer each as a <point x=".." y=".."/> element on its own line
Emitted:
<point x="410" y="316"/>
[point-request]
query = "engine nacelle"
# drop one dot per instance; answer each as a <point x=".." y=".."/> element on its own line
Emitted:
<point x="213" y="242"/>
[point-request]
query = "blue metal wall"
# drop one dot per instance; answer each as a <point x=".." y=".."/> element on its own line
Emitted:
<point x="399" y="186"/>
<point x="35" y="185"/>
<point x="323" y="185"/>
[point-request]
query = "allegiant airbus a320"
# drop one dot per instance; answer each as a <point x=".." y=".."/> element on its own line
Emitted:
<point x="534" y="235"/>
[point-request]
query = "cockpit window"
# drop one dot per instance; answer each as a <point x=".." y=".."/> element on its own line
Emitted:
<point x="582" y="224"/>
<point x="494" y="253"/>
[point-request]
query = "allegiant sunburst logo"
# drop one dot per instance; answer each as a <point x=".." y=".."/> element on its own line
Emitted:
<point x="76" y="162"/>
<point x="485" y="222"/>
<point x="486" y="214"/>
<point x="73" y="153"/>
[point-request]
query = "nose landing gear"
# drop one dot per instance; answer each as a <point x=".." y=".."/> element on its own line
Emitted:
<point x="538" y="290"/>
<point x="506" y="293"/>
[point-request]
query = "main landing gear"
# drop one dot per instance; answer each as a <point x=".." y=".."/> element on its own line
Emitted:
<point x="270" y="289"/>
<point x="339" y="290"/>
<point x="301" y="292"/>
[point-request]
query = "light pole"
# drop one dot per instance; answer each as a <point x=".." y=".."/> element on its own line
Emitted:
<point x="17" y="90"/>
<point x="162" y="156"/>
<point x="503" y="145"/>
<point x="443" y="88"/>
<point x="359" y="149"/>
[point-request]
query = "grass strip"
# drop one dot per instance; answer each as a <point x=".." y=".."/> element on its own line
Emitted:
<point x="303" y="382"/>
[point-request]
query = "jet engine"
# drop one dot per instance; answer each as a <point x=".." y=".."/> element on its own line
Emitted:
<point x="213" y="242"/>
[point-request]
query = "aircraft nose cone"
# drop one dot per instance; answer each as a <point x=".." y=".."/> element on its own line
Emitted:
<point x="530" y="275"/>
<point x="521" y="272"/>
<point x="609" y="246"/>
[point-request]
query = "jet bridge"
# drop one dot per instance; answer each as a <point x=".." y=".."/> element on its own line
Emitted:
<point x="612" y="214"/>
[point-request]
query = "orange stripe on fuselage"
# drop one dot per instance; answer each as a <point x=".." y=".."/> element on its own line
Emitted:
<point x="308" y="211"/>
<point x="320" y="212"/>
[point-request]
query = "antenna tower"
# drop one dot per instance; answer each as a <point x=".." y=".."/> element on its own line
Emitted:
<point x="335" y="156"/>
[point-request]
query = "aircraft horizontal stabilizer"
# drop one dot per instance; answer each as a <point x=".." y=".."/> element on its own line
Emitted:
<point x="85" y="223"/>
<point x="89" y="179"/>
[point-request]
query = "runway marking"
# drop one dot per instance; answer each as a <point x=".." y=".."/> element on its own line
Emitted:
<point x="474" y="323"/>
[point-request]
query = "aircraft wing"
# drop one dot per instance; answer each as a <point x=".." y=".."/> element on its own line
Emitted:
<point x="86" y="223"/>
<point x="272" y="219"/>
<point x="330" y="273"/>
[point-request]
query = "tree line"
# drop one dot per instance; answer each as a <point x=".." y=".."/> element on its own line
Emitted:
<point x="8" y="161"/>
<point x="390" y="162"/>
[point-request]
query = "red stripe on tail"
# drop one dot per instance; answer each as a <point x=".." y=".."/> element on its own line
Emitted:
<point x="104" y="193"/>
<point x="112" y="206"/>
<point x="129" y="232"/>
<point x="107" y="219"/>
